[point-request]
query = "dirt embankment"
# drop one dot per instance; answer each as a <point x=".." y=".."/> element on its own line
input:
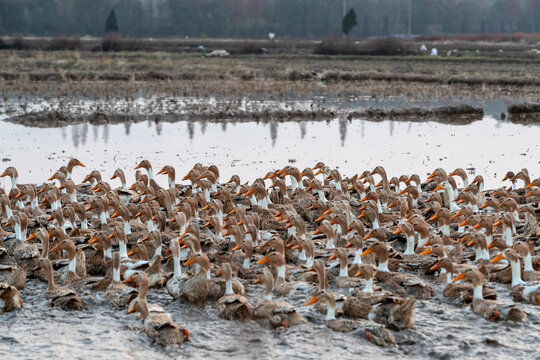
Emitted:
<point x="526" y="113"/>
<point x="455" y="114"/>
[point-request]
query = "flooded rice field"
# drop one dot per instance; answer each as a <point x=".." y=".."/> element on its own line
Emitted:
<point x="249" y="148"/>
<point x="488" y="146"/>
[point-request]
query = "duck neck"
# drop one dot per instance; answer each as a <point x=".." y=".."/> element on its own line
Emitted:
<point x="123" y="249"/>
<point x="150" y="226"/>
<point x="207" y="195"/>
<point x="383" y="266"/>
<point x="50" y="278"/>
<point x="72" y="265"/>
<point x="343" y="271"/>
<point x="368" y="288"/>
<point x="527" y="263"/>
<point x="330" y="312"/>
<point x="9" y="213"/>
<point x="508" y="236"/>
<point x="322" y="197"/>
<point x="410" y="245"/>
<point x="516" y="273"/>
<point x="445" y="230"/>
<point x="281" y="272"/>
<point x="358" y="257"/>
<point x="228" y="287"/>
<point x="294" y="183"/>
<point x="103" y="218"/>
<point x="330" y="243"/>
<point x="127" y="227"/>
<point x="116" y="275"/>
<point x="246" y="263"/>
<point x="302" y="255"/>
<point x="107" y="253"/>
<point x="84" y="224"/>
<point x="477" y="292"/>
<point x="309" y="261"/>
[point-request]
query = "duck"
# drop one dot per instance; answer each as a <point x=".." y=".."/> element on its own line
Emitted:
<point x="281" y="285"/>
<point x="10" y="273"/>
<point x="392" y="311"/>
<point x="462" y="292"/>
<point x="119" y="294"/>
<point x="521" y="291"/>
<point x="402" y="283"/>
<point x="343" y="280"/>
<point x="372" y="331"/>
<point x="233" y="306"/>
<point x="489" y="309"/>
<point x="196" y="288"/>
<point x="60" y="296"/>
<point x="71" y="277"/>
<point x="10" y="299"/>
<point x="21" y="250"/>
<point x="174" y="284"/>
<point x="159" y="326"/>
<point x="275" y="313"/>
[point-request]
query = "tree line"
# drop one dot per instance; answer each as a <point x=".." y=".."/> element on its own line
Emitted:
<point x="258" y="18"/>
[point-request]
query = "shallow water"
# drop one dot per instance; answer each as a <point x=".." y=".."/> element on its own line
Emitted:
<point x="489" y="147"/>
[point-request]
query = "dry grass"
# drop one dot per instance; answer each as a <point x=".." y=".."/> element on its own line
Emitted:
<point x="95" y="74"/>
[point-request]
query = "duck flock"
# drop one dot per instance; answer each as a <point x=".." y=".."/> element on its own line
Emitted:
<point x="361" y="249"/>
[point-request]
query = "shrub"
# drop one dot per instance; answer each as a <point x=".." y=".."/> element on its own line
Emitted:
<point x="64" y="43"/>
<point x="379" y="46"/>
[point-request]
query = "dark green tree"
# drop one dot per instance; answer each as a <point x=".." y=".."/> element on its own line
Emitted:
<point x="349" y="21"/>
<point x="111" y="25"/>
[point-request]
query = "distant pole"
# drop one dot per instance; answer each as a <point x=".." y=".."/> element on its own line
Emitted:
<point x="409" y="32"/>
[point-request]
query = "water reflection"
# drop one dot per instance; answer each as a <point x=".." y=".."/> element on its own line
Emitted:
<point x="402" y="147"/>
<point x="191" y="129"/>
<point x="302" y="129"/>
<point x="273" y="131"/>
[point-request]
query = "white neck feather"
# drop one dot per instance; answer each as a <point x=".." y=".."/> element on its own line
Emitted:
<point x="228" y="288"/>
<point x="516" y="273"/>
<point x="281" y="272"/>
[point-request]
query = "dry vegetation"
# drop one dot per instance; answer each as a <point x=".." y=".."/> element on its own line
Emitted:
<point x="284" y="70"/>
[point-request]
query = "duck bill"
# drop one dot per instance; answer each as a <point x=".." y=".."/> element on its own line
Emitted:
<point x="366" y="252"/>
<point x="459" y="277"/>
<point x="497" y="258"/>
<point x="312" y="301"/>
<point x="264" y="260"/>
<point x="426" y="252"/>
<point x="56" y="248"/>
